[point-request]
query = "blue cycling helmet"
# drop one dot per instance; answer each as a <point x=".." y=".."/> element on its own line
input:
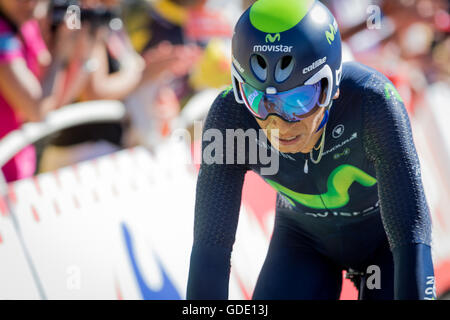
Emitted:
<point x="283" y="49"/>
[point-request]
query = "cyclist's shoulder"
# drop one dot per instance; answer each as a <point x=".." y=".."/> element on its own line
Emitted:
<point x="356" y="75"/>
<point x="225" y="97"/>
<point x="225" y="112"/>
<point x="369" y="83"/>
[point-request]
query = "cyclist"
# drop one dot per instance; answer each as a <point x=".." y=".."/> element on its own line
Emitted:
<point x="349" y="188"/>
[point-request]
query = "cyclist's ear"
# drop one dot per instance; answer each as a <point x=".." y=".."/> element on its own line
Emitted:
<point x="323" y="94"/>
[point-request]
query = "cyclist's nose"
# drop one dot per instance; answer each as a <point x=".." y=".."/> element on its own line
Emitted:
<point x="275" y="122"/>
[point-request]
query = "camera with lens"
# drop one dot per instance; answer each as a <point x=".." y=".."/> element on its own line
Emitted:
<point x="96" y="17"/>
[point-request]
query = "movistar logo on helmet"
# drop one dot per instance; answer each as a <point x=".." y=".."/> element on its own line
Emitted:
<point x="272" y="39"/>
<point x="315" y="64"/>
<point x="330" y="34"/>
<point x="272" y="48"/>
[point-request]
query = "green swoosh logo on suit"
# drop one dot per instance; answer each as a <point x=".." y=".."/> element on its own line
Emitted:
<point x="338" y="184"/>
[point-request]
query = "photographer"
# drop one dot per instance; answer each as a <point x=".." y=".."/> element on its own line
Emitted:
<point x="27" y="91"/>
<point x="106" y="67"/>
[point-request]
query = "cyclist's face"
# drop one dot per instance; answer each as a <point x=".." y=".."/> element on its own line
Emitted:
<point x="293" y="137"/>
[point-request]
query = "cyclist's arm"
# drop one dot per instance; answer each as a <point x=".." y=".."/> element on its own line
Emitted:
<point x="218" y="199"/>
<point x="389" y="144"/>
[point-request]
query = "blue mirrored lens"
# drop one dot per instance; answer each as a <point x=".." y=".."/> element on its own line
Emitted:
<point x="291" y="105"/>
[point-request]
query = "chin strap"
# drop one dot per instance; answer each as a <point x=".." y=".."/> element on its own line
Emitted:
<point x="324" y="121"/>
<point x="322" y="143"/>
<point x="323" y="124"/>
<point x="325" y="117"/>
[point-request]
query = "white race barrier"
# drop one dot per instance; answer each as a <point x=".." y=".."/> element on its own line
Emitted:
<point x="69" y="116"/>
<point x="16" y="278"/>
<point x="119" y="227"/>
<point x="84" y="227"/>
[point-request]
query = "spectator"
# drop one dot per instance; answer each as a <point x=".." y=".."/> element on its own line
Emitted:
<point x="30" y="83"/>
<point x="111" y="71"/>
<point x="174" y="38"/>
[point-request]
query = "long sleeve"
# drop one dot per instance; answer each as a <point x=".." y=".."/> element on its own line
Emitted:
<point x="389" y="144"/>
<point x="217" y="205"/>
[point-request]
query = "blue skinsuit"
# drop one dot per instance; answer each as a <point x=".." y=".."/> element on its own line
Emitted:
<point x="363" y="204"/>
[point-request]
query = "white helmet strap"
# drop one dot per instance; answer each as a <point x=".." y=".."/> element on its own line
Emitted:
<point x="236" y="76"/>
<point x="325" y="72"/>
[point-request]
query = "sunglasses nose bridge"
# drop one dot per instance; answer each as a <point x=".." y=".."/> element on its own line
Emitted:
<point x="272" y="104"/>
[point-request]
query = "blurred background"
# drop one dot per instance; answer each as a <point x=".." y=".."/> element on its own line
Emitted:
<point x="116" y="82"/>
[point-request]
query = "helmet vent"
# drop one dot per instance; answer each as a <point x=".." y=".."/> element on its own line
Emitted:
<point x="285" y="61"/>
<point x="259" y="67"/>
<point x="261" y="61"/>
<point x="284" y="68"/>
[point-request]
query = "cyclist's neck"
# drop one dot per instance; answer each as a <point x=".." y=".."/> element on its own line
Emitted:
<point x="314" y="142"/>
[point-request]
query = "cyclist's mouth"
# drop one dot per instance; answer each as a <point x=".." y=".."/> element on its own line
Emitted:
<point x="288" y="141"/>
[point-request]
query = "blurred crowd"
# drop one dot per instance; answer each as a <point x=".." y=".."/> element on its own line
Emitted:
<point x="407" y="40"/>
<point x="156" y="55"/>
